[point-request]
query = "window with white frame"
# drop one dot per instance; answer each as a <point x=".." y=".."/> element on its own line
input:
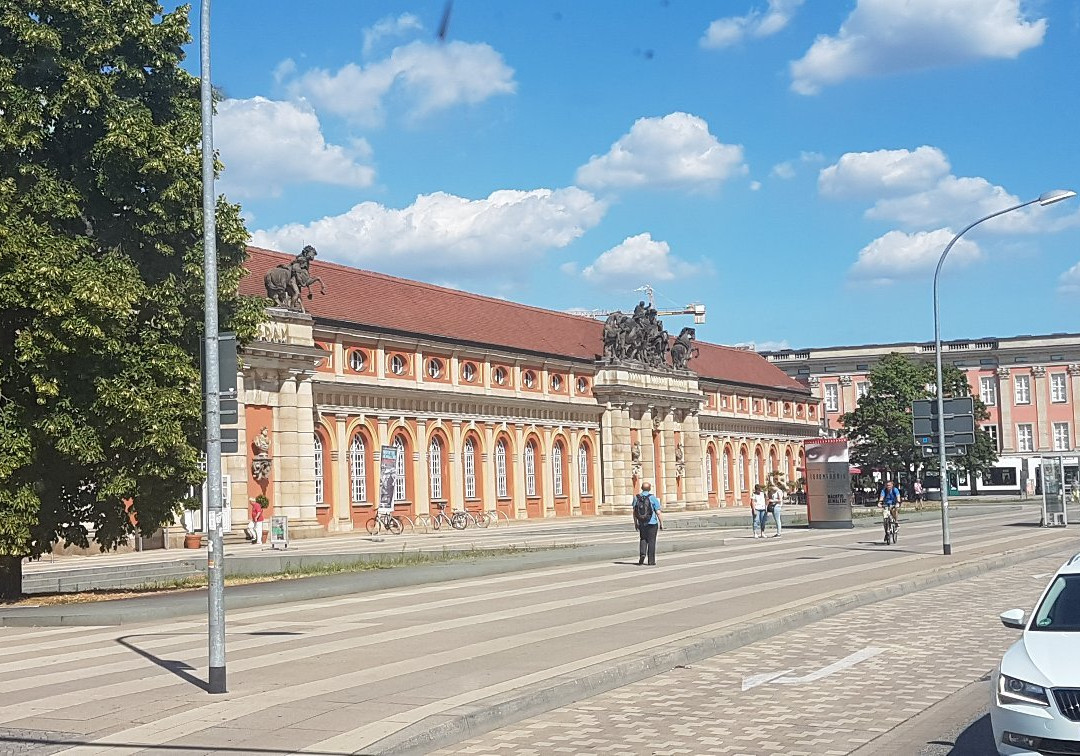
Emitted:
<point x="1024" y="438"/>
<point x="435" y="469"/>
<point x="988" y="390"/>
<point x="583" y="470"/>
<point x="358" y="469"/>
<point x="500" y="470"/>
<point x="397" y="365"/>
<point x="470" y="469"/>
<point x="434" y="369"/>
<point x="530" y="470"/>
<point x="991" y="430"/>
<point x="709" y="485"/>
<point x="757" y="470"/>
<point x="318" y="470"/>
<point x="357" y="360"/>
<point x="468" y="372"/>
<point x="1057" y="388"/>
<point x="862" y="389"/>
<point x="1062" y="442"/>
<point x="742" y="471"/>
<point x="1022" y="389"/>
<point x="725" y="471"/>
<point x="557" y="470"/>
<point x="832" y="397"/>
<point x="399" y="472"/>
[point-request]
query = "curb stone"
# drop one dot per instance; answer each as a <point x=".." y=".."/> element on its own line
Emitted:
<point x="499" y="711"/>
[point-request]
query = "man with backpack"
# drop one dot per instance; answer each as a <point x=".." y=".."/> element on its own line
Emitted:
<point x="647" y="520"/>
<point x="889" y="502"/>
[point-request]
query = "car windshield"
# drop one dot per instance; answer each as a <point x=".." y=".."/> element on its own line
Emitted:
<point x="1060" y="610"/>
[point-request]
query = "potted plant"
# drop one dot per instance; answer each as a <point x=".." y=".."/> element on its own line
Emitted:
<point x="192" y="540"/>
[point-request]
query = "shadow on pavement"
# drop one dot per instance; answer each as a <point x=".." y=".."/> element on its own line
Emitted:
<point x="49" y="743"/>
<point x="976" y="740"/>
<point x="178" y="668"/>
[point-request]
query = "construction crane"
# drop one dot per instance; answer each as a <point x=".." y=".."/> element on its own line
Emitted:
<point x="695" y="309"/>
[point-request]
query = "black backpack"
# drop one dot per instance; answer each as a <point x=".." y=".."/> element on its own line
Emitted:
<point x="643" y="510"/>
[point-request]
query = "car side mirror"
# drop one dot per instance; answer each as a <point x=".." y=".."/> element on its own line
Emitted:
<point x="1013" y="618"/>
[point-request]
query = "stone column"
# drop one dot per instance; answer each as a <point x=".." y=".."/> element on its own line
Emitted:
<point x="694" y="465"/>
<point x="847" y="394"/>
<point x="573" y="471"/>
<point x="547" y="500"/>
<point x="342" y="513"/>
<point x="614" y="488"/>
<point x="422" y="495"/>
<point x="491" y="495"/>
<point x="517" y="469"/>
<point x="1040" y="395"/>
<point x="293" y="455"/>
<point x="1005" y="402"/>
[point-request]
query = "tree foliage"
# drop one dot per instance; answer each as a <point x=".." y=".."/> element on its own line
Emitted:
<point x="880" y="426"/>
<point x="101" y="280"/>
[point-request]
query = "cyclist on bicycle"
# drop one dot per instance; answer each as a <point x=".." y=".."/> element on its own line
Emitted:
<point x="889" y="503"/>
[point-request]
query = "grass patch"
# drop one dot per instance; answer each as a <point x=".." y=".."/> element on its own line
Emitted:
<point x="293" y="572"/>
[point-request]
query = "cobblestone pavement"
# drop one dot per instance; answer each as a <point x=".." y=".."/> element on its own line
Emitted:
<point x="905" y="655"/>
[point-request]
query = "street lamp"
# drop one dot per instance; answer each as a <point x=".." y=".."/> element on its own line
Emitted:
<point x="1046" y="198"/>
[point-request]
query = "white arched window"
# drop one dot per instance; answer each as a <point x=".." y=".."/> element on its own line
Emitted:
<point x="435" y="466"/>
<point x="318" y="470"/>
<point x="530" y="470"/>
<point x="557" y="470"/>
<point x="583" y="470"/>
<point x="358" y="468"/>
<point x="758" y="463"/>
<point x="399" y="473"/>
<point x="500" y="470"/>
<point x="470" y="470"/>
<point x="726" y="472"/>
<point x="709" y="484"/>
<point x="742" y="471"/>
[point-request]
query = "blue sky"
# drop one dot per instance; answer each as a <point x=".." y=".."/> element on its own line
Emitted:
<point x="795" y="166"/>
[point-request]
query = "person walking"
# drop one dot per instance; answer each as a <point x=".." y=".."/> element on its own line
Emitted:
<point x="647" y="520"/>
<point x="776" y="504"/>
<point x="760" y="511"/>
<point x="918" y="491"/>
<point x="255" y="524"/>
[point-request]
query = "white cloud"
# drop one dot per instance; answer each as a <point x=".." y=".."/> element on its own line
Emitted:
<point x="427" y="77"/>
<point x="266" y="144"/>
<point x="771" y="346"/>
<point x="725" y="32"/>
<point x="883" y="173"/>
<point x="783" y="170"/>
<point x="389" y="27"/>
<point x="898" y="255"/>
<point x="1069" y="281"/>
<point x="887" y="36"/>
<point x="755" y="185"/>
<point x="442" y="233"/>
<point x="789" y="168"/>
<point x="674" y="151"/>
<point x="638" y="258"/>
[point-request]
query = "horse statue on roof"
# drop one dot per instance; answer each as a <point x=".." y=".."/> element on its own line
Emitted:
<point x="683" y="349"/>
<point x="285" y="282"/>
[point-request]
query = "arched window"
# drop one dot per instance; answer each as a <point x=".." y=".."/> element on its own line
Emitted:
<point x="435" y="461"/>
<point x="557" y="469"/>
<point x="470" y="470"/>
<point x="399" y="473"/>
<point x="318" y="470"/>
<point x="500" y="470"/>
<point x="727" y="471"/>
<point x="759" y="463"/>
<point x="583" y="470"/>
<point x="742" y="470"/>
<point x="709" y="485"/>
<point x="530" y="469"/>
<point x="358" y="469"/>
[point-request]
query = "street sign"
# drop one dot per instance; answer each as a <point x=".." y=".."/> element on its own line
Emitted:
<point x="928" y="426"/>
<point x="961" y="405"/>
<point x="950" y="450"/>
<point x="230" y="440"/>
<point x="950" y="439"/>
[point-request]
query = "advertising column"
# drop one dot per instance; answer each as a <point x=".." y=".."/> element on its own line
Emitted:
<point x="828" y="483"/>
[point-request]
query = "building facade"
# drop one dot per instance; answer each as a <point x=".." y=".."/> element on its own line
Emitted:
<point x="493" y="406"/>
<point x="1029" y="385"/>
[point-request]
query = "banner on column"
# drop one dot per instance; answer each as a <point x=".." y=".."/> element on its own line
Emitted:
<point x="388" y="462"/>
<point x="828" y="483"/>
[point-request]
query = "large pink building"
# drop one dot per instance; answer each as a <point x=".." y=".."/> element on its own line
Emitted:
<point x="1028" y="383"/>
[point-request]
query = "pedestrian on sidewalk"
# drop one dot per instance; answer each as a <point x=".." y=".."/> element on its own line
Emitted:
<point x="647" y="520"/>
<point x="759" y="507"/>
<point x="256" y="516"/>
<point x="918" y="491"/>
<point x="776" y="504"/>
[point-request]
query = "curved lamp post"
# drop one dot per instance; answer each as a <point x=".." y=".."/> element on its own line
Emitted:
<point x="1046" y="198"/>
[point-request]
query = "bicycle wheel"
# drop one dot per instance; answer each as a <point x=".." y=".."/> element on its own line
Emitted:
<point x="459" y="521"/>
<point x="436" y="521"/>
<point x="372" y="525"/>
<point x="394" y="525"/>
<point x="483" y="519"/>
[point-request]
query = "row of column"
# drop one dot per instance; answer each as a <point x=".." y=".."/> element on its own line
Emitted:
<point x="1040" y="397"/>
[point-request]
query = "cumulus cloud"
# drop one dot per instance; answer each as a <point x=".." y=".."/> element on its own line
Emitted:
<point x="883" y="173"/>
<point x="1069" y="281"/>
<point x="886" y="36"/>
<point x="728" y="31"/>
<point x="638" y="258"/>
<point x="441" y="233"/>
<point x="389" y="27"/>
<point x="267" y="144"/>
<point x="675" y="151"/>
<point x="427" y="77"/>
<point x="789" y="168"/>
<point x="783" y="170"/>
<point x="899" y="255"/>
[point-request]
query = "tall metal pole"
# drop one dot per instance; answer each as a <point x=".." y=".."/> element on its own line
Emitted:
<point x="946" y="543"/>
<point x="215" y="555"/>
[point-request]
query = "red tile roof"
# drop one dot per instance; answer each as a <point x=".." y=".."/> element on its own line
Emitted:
<point x="386" y="303"/>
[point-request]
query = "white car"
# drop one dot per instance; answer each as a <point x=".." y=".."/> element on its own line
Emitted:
<point x="1035" y="703"/>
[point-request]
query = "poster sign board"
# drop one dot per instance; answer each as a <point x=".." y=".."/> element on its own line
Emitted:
<point x="828" y="483"/>
<point x="279" y="531"/>
<point x="388" y="461"/>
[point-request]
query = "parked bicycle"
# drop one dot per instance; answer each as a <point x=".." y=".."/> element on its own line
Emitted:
<point x="441" y="518"/>
<point x="383" y="521"/>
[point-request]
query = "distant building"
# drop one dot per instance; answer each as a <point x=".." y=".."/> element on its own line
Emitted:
<point x="1028" y="383"/>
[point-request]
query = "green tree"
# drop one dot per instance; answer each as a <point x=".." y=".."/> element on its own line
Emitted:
<point x="101" y="273"/>
<point x="880" y="426"/>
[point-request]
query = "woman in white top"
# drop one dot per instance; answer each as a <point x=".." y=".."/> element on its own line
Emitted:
<point x="776" y="503"/>
<point x="760" y="511"/>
